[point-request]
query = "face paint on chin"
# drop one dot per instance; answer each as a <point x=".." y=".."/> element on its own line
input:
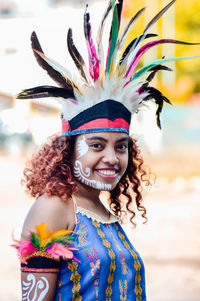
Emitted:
<point x="83" y="176"/>
<point x="82" y="147"/>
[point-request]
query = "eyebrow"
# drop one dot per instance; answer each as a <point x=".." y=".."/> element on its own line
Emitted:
<point x="97" y="138"/>
<point x="124" y="139"/>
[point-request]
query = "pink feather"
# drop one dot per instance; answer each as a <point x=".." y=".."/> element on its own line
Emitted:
<point x="24" y="249"/>
<point x="93" y="59"/>
<point x="146" y="47"/>
<point x="94" y="62"/>
<point x="58" y="250"/>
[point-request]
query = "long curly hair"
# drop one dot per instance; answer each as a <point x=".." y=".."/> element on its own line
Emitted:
<point x="50" y="173"/>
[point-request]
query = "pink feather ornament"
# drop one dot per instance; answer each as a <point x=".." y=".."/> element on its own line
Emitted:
<point x="43" y="241"/>
<point x="58" y="250"/>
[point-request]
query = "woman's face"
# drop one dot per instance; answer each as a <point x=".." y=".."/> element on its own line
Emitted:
<point x="100" y="159"/>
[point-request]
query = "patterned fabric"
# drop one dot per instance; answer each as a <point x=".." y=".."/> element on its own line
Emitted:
<point x="110" y="269"/>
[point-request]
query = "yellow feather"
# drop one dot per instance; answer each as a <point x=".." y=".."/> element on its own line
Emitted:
<point x="59" y="233"/>
<point x="42" y="231"/>
<point x="47" y="236"/>
<point x="121" y="70"/>
<point x="112" y="68"/>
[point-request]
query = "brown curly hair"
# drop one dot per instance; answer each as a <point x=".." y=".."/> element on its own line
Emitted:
<point x="49" y="173"/>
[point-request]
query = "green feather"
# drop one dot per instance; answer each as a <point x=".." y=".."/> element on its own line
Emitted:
<point x="157" y="62"/>
<point x="64" y="240"/>
<point x="114" y="35"/>
<point x="35" y="240"/>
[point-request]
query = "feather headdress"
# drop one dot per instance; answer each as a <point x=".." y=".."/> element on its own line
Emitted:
<point x="110" y="89"/>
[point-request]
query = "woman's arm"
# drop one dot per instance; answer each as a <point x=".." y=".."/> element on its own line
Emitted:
<point x="38" y="286"/>
<point x="39" y="267"/>
<point x="59" y="214"/>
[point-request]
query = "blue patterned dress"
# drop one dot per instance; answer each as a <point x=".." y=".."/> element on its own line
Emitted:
<point x="110" y="269"/>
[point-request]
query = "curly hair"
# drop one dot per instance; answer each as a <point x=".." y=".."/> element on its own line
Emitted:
<point x="130" y="185"/>
<point x="49" y="173"/>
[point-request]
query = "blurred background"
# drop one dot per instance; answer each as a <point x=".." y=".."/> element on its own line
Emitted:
<point x="170" y="242"/>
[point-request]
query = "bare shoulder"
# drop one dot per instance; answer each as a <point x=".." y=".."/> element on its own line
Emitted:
<point x="58" y="213"/>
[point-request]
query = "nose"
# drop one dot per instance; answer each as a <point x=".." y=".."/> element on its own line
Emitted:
<point x="110" y="156"/>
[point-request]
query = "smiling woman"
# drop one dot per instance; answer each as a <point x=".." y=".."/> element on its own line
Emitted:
<point x="72" y="246"/>
<point x="111" y="162"/>
<point x="66" y="176"/>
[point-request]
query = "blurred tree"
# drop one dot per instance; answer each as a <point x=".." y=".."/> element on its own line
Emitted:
<point x="187" y="28"/>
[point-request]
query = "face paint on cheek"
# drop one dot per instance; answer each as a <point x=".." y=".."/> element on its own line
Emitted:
<point x="38" y="289"/>
<point x="82" y="147"/>
<point x="83" y="176"/>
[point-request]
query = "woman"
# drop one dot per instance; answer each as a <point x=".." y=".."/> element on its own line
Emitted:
<point x="95" y="261"/>
<point x="107" y="266"/>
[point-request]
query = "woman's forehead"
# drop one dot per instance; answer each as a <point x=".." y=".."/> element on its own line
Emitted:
<point x="114" y="136"/>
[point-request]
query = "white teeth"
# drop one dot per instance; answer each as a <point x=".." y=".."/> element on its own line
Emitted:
<point x="107" y="172"/>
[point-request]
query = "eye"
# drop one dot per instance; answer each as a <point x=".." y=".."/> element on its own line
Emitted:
<point x="96" y="145"/>
<point x="122" y="147"/>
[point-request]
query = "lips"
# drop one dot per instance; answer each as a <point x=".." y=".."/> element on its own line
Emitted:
<point x="107" y="172"/>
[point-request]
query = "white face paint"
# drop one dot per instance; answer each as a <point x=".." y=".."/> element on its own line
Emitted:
<point x="83" y="176"/>
<point x="82" y="147"/>
<point x="38" y="289"/>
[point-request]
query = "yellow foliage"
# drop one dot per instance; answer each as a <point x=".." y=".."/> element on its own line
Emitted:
<point x="187" y="28"/>
<point x="180" y="91"/>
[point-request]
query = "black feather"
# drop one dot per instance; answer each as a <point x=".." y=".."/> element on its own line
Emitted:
<point x="158" y="16"/>
<point x="76" y="56"/>
<point x="119" y="11"/>
<point x="151" y="76"/>
<point x="159" y="100"/>
<point x="45" y="91"/>
<point x="54" y="74"/>
<point x="100" y="32"/>
<point x="132" y="20"/>
<point x="119" y="7"/>
<point x="155" y="69"/>
<point x="87" y="26"/>
<point x="135" y="41"/>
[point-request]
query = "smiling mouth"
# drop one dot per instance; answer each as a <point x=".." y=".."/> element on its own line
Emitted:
<point x="108" y="173"/>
